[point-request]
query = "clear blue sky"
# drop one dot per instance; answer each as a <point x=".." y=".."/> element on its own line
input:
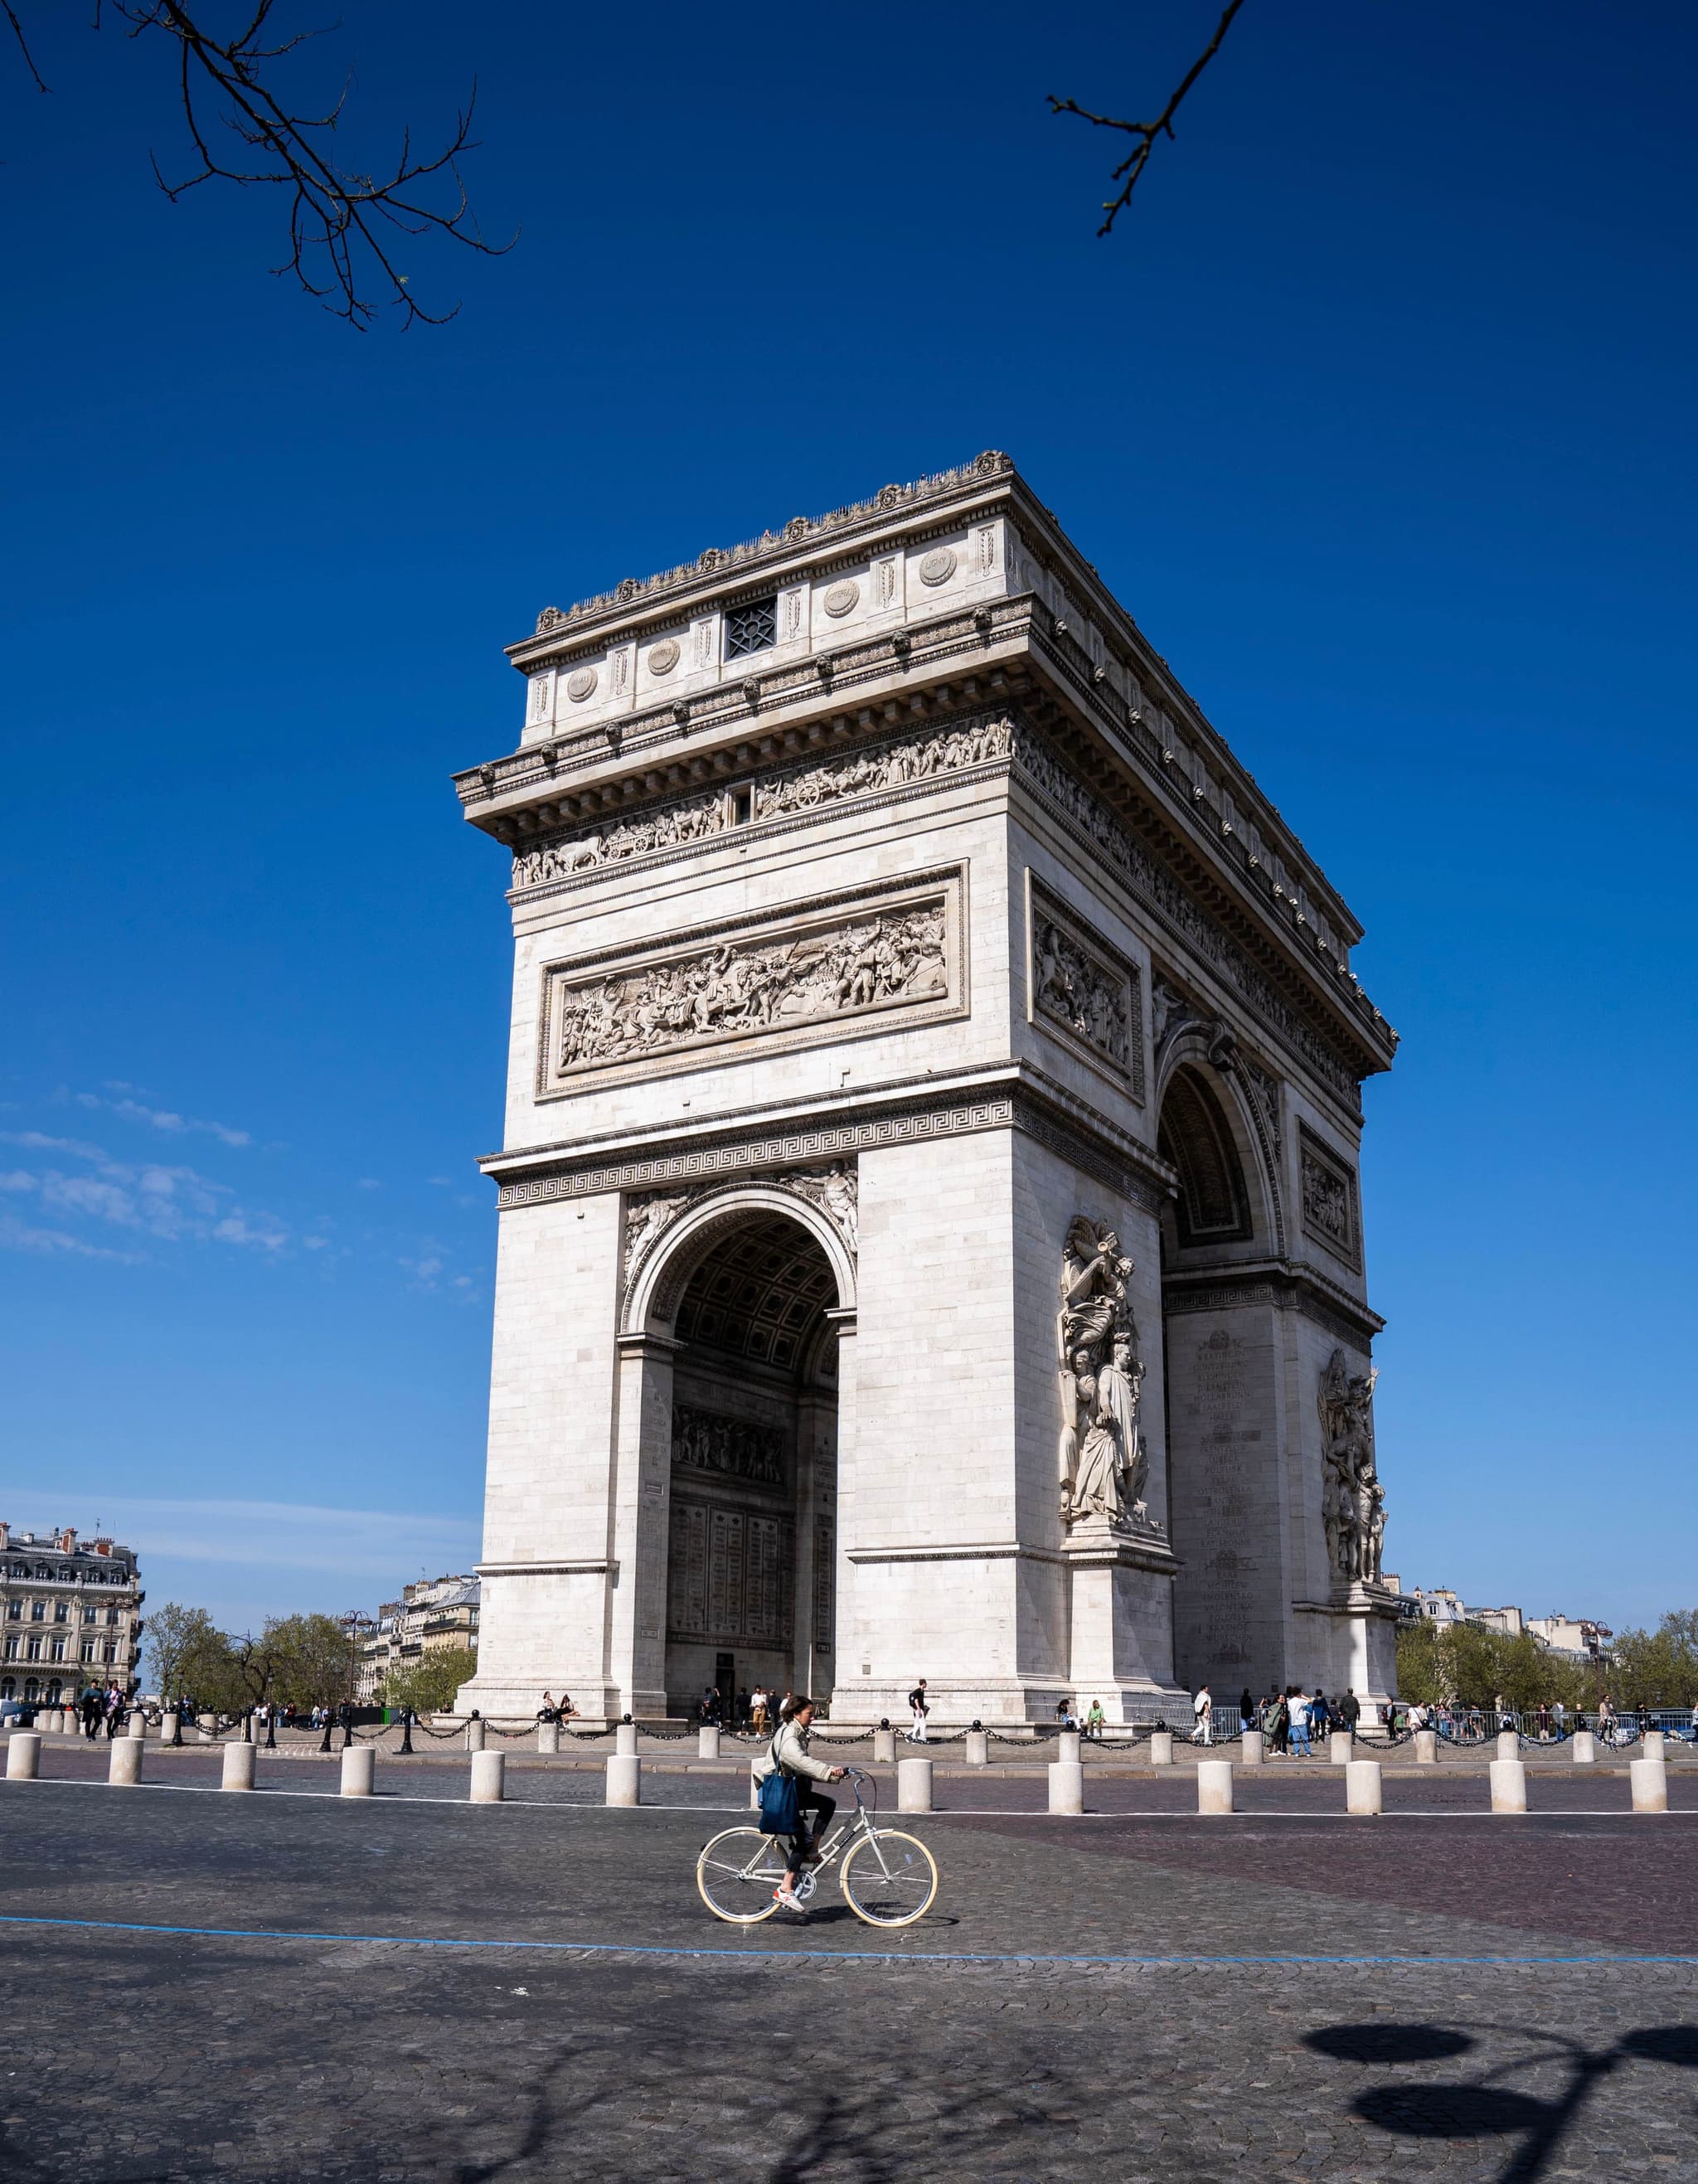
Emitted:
<point x="1377" y="411"/>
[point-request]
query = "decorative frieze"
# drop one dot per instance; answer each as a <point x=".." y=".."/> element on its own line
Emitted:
<point x="1083" y="991"/>
<point x="692" y="820"/>
<point x="733" y="1448"/>
<point x="1328" y="1189"/>
<point x="858" y="959"/>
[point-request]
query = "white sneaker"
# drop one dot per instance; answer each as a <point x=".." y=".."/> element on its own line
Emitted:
<point x="787" y="1901"/>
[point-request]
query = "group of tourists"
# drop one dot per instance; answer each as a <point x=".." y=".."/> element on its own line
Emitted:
<point x="102" y="1710"/>
<point x="1294" y="1721"/>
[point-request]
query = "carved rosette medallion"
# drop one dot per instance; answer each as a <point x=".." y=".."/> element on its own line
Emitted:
<point x="663" y="657"/>
<point x="1083" y="991"/>
<point x="580" y="683"/>
<point x="840" y="599"/>
<point x="938" y="566"/>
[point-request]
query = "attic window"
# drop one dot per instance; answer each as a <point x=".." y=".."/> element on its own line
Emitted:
<point x="751" y="628"/>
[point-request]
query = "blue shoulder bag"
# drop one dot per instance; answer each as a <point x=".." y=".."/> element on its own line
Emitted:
<point x="780" y="1813"/>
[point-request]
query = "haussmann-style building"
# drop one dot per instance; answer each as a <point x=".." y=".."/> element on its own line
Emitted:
<point x="70" y="1615"/>
<point x="930" y="1238"/>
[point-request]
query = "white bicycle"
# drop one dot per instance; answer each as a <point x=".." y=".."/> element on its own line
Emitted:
<point x="887" y="1878"/>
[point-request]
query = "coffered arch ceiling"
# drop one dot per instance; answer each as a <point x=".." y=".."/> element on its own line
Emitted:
<point x="761" y="1293"/>
<point x="1196" y="1135"/>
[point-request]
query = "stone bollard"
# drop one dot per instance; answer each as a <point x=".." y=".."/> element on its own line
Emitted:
<point x="1585" y="1748"/>
<point x="1067" y="1747"/>
<point x="884" y="1745"/>
<point x="624" y="1779"/>
<point x="1214" y="1786"/>
<point x="359" y="1770"/>
<point x="707" y="1740"/>
<point x="1427" y="1747"/>
<point x="1509" y="1786"/>
<point x="1648" y="1779"/>
<point x="1509" y="1744"/>
<point x="1338" y="1748"/>
<point x="124" y="1767"/>
<point x="488" y="1777"/>
<point x="1250" y="1753"/>
<point x="23" y="1755"/>
<point x="978" y="1748"/>
<point x="1361" y="1786"/>
<point x="913" y="1786"/>
<point x="1066" y="1786"/>
<point x="474" y="1734"/>
<point x="548" y="1736"/>
<point x="238" y="1767"/>
<point x="137" y="1723"/>
<point x="625" y="1740"/>
<point x="1161" y="1749"/>
<point x="1654" y="1746"/>
<point x="207" y="1726"/>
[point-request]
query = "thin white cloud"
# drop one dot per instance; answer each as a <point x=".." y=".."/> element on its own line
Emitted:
<point x="384" y="1547"/>
<point x="162" y="1118"/>
<point x="16" y="1235"/>
<point x="172" y="1202"/>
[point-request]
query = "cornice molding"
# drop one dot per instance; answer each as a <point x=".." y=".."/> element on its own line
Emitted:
<point x="1285" y="1282"/>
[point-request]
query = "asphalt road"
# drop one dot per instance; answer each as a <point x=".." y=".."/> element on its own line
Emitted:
<point x="413" y="1988"/>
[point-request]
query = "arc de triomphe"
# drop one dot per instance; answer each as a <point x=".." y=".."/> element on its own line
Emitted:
<point x="930" y="1240"/>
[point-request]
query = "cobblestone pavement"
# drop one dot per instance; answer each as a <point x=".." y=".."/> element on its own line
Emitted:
<point x="1494" y="2007"/>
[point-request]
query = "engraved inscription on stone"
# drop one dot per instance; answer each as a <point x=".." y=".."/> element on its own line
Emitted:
<point x="580" y="683"/>
<point x="737" y="1448"/>
<point x="938" y="566"/>
<point x="727" y="1576"/>
<point x="840" y="599"/>
<point x="1082" y="988"/>
<point x="664" y="656"/>
<point x="825" y="1543"/>
<point x="879" y="951"/>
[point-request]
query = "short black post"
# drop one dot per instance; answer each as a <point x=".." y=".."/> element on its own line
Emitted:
<point x="406" y="1729"/>
<point x="330" y="1724"/>
<point x="271" y="1729"/>
<point x="176" y="1726"/>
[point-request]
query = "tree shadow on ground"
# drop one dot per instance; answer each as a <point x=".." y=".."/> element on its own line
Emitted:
<point x="1478" y="2109"/>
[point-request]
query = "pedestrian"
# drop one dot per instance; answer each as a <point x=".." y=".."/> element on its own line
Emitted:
<point x="115" y="1710"/>
<point x="1276" y="1726"/>
<point x="1559" y="1721"/>
<point x="1246" y="1708"/>
<point x="917" y="1702"/>
<point x="757" y="1710"/>
<point x="1298" y="1707"/>
<point x="1094" y="1721"/>
<point x="1203" y="1718"/>
<point x="742" y="1721"/>
<point x="1350" y="1714"/>
<point x="91" y="1713"/>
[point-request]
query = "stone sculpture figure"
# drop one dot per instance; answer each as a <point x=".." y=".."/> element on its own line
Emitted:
<point x="1101" y="1457"/>
<point x="1353" y="1502"/>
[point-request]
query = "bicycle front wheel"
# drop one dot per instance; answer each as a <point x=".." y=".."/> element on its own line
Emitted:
<point x="738" y="1874"/>
<point x="890" y="1879"/>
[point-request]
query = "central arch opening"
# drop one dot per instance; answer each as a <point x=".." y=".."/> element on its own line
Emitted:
<point x="752" y="1514"/>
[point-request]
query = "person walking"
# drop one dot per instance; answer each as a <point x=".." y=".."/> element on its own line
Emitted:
<point x="1298" y="1707"/>
<point x="757" y="1710"/>
<point x="1350" y="1714"/>
<point x="91" y="1713"/>
<point x="115" y="1711"/>
<point x="1246" y="1708"/>
<point x="917" y="1699"/>
<point x="1203" y="1718"/>
<point x="788" y="1753"/>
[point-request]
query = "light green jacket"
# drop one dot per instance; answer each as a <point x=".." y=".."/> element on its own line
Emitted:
<point x="790" y="1750"/>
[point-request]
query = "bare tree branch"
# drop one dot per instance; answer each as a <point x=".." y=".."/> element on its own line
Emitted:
<point x="23" y="45"/>
<point x="1129" y="170"/>
<point x="244" y="129"/>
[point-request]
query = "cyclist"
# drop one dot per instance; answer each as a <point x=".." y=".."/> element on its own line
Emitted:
<point x="789" y="1752"/>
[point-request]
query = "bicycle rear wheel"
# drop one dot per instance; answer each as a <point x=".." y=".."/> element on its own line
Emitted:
<point x="738" y="1874"/>
<point x="889" y="1879"/>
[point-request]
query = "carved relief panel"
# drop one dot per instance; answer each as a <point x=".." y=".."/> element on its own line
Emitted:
<point x="1328" y="1189"/>
<point x="868" y="959"/>
<point x="1081" y="990"/>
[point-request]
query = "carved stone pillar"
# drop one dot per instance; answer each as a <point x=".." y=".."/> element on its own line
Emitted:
<point x="1120" y="1624"/>
<point x="642" y="1498"/>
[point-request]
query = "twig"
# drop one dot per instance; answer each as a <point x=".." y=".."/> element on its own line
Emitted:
<point x="1133" y="164"/>
<point x="23" y="45"/>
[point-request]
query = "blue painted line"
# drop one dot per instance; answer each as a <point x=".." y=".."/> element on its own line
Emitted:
<point x="780" y="1956"/>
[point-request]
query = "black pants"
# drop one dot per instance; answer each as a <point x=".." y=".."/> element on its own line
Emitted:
<point x="810" y="1800"/>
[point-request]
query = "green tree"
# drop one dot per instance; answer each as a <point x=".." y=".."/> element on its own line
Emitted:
<point x="429" y="1685"/>
<point x="174" y="1633"/>
<point x="310" y="1659"/>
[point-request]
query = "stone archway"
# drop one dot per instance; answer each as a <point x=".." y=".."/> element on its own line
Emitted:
<point x="739" y="1319"/>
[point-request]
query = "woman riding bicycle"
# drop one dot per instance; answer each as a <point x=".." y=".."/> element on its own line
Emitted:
<point x="789" y="1754"/>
